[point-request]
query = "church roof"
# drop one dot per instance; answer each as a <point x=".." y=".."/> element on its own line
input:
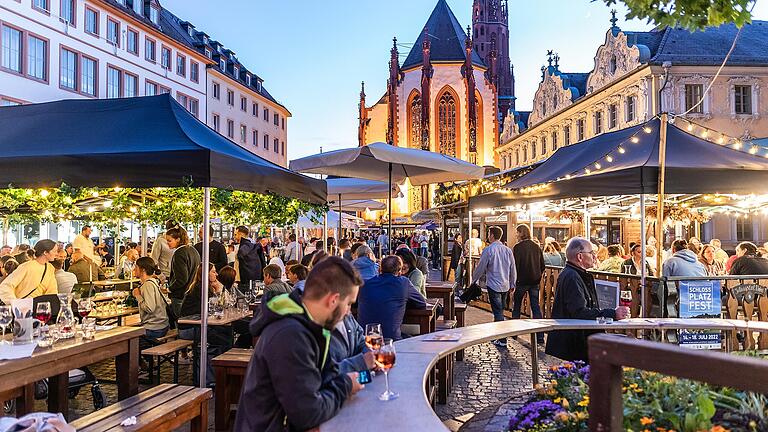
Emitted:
<point x="710" y="46"/>
<point x="447" y="39"/>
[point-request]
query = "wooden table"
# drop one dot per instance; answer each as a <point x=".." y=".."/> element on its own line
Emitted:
<point x="425" y="318"/>
<point x="444" y="291"/>
<point x="115" y="314"/>
<point x="230" y="369"/>
<point x="229" y="317"/>
<point x="113" y="282"/>
<point x="120" y="343"/>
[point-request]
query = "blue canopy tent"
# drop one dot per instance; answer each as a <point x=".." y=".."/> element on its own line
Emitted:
<point x="626" y="162"/>
<point x="136" y="142"/>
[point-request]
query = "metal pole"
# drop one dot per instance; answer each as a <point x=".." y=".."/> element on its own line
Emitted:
<point x="643" y="270"/>
<point x="389" y="205"/>
<point x="660" y="201"/>
<point x="469" y="256"/>
<point x="204" y="290"/>
<point x="587" y="221"/>
<point x="324" y="237"/>
<point x="338" y="234"/>
<point x="117" y="245"/>
<point x="530" y="220"/>
<point x="144" y="242"/>
<point x="534" y="359"/>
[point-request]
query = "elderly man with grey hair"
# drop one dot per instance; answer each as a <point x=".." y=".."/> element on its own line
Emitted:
<point x="365" y="263"/>
<point x="576" y="298"/>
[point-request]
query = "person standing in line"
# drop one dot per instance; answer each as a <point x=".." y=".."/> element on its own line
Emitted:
<point x="456" y="258"/>
<point x="529" y="263"/>
<point x="497" y="264"/>
<point x="184" y="265"/>
<point x="292" y="249"/>
<point x="382" y="243"/>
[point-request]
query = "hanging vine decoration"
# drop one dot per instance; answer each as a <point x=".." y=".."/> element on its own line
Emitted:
<point x="677" y="213"/>
<point x="564" y="216"/>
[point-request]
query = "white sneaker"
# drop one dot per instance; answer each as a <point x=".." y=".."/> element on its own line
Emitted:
<point x="500" y="343"/>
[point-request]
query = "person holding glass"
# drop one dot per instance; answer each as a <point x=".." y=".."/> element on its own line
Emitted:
<point x="291" y="384"/>
<point x="152" y="302"/>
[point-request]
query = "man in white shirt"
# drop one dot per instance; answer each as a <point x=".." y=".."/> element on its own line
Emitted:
<point x="292" y="249"/>
<point x="65" y="281"/>
<point x="84" y="244"/>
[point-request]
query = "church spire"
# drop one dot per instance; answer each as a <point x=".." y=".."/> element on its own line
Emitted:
<point x="469" y="78"/>
<point x="362" y="116"/>
<point x="490" y="26"/>
<point x="426" y="82"/>
<point x="392" y="83"/>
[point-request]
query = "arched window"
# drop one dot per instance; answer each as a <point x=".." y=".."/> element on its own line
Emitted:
<point x="517" y="157"/>
<point x="446" y="132"/>
<point x="414" y="127"/>
<point x="543" y="146"/>
<point x="533" y="150"/>
<point x="554" y="141"/>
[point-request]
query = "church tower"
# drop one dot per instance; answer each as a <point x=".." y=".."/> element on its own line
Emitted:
<point x="490" y="31"/>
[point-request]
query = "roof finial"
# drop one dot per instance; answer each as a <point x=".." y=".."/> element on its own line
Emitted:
<point x="394" y="42"/>
<point x="469" y="33"/>
<point x="557" y="61"/>
<point x="549" y="57"/>
<point x="613" y="18"/>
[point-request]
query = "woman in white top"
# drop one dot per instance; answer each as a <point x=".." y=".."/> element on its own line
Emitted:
<point x="152" y="302"/>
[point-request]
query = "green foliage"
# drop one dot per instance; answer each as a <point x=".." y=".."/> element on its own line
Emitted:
<point x="157" y="205"/>
<point x="689" y="14"/>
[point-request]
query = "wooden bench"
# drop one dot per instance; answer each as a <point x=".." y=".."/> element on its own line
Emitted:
<point x="459" y="309"/>
<point x="163" y="408"/>
<point x="163" y="353"/>
<point x="230" y="369"/>
<point x="444" y="366"/>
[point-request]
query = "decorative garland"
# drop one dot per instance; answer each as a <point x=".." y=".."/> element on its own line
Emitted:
<point x="677" y="213"/>
<point x="564" y="215"/>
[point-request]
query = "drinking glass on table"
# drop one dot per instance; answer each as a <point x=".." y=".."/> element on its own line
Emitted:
<point x="43" y="312"/>
<point x="84" y="307"/>
<point x="6" y="316"/>
<point x="373" y="336"/>
<point x="385" y="359"/>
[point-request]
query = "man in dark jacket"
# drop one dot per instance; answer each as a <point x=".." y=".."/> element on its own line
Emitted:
<point x="529" y="261"/>
<point x="291" y="384"/>
<point x="262" y="249"/>
<point x="384" y="298"/>
<point x="576" y="298"/>
<point x="248" y="259"/>
<point x="217" y="252"/>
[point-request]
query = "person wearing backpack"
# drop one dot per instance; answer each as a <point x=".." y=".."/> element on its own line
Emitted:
<point x="152" y="302"/>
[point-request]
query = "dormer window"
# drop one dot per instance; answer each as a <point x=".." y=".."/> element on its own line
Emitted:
<point x="154" y="15"/>
<point x="208" y="53"/>
<point x="248" y="80"/>
<point x="205" y="39"/>
<point x="222" y="64"/>
<point x="258" y="86"/>
<point x="191" y="31"/>
<point x="612" y="65"/>
<point x="236" y="72"/>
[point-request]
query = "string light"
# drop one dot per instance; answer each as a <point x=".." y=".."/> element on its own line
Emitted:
<point x="609" y="158"/>
<point x="704" y="134"/>
<point x="690" y="127"/>
<point x="720" y="140"/>
<point x="597" y="165"/>
<point x="647" y="130"/>
<point x="753" y="149"/>
<point x="44" y="193"/>
<point x="635" y="139"/>
<point x="621" y="150"/>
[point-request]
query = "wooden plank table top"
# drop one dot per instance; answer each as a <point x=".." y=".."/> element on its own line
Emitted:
<point x="230" y="316"/>
<point x="115" y="314"/>
<point x="113" y="282"/>
<point x="121" y="343"/>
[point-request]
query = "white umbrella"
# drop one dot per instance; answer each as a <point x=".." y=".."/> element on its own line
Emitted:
<point x="341" y="189"/>
<point x="384" y="162"/>
<point x="357" y="205"/>
<point x="347" y="221"/>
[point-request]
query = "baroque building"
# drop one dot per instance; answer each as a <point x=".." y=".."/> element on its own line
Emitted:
<point x="637" y="75"/>
<point x="443" y="97"/>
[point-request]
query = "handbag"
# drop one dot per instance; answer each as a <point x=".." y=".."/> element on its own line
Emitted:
<point x="172" y="318"/>
<point x="471" y="293"/>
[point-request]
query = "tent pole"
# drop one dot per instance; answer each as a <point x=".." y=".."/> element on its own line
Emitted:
<point x="324" y="237"/>
<point x="144" y="230"/>
<point x="389" y="220"/>
<point x="642" y="252"/>
<point x="530" y="220"/>
<point x="116" y="256"/>
<point x="469" y="252"/>
<point x="587" y="221"/>
<point x="660" y="200"/>
<point x="338" y="234"/>
<point x="204" y="291"/>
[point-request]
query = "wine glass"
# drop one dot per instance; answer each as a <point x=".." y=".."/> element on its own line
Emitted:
<point x="385" y="359"/>
<point x="84" y="307"/>
<point x="6" y="316"/>
<point x="43" y="312"/>
<point x="373" y="336"/>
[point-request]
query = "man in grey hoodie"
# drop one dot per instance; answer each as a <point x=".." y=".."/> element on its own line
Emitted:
<point x="683" y="262"/>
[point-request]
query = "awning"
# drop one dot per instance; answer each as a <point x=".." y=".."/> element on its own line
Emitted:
<point x="137" y="142"/>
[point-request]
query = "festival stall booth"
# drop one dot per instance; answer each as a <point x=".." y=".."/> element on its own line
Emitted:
<point x="139" y="142"/>
<point x="656" y="157"/>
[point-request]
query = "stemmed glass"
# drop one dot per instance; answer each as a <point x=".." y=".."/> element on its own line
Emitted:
<point x="385" y="359"/>
<point x="373" y="336"/>
<point x="6" y="316"/>
<point x="84" y="307"/>
<point x="43" y="312"/>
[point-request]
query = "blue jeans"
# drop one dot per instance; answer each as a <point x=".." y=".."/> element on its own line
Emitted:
<point x="533" y="296"/>
<point x="150" y="338"/>
<point x="498" y="300"/>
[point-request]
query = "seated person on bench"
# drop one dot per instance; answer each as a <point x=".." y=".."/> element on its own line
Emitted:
<point x="152" y="302"/>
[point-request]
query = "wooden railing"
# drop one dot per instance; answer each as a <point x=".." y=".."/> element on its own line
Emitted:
<point x="608" y="354"/>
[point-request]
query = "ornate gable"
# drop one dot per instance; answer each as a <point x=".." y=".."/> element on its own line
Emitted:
<point x="554" y="93"/>
<point x="615" y="58"/>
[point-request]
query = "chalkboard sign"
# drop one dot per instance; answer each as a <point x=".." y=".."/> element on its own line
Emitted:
<point x="607" y="294"/>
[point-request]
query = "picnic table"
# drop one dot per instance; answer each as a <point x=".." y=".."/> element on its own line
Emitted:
<point x="120" y="343"/>
<point x="114" y="314"/>
<point x="444" y="291"/>
<point x="230" y="316"/>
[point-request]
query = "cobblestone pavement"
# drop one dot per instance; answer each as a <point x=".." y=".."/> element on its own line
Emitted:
<point x="490" y="384"/>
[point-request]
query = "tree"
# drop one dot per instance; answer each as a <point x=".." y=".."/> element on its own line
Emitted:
<point x="689" y="14"/>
